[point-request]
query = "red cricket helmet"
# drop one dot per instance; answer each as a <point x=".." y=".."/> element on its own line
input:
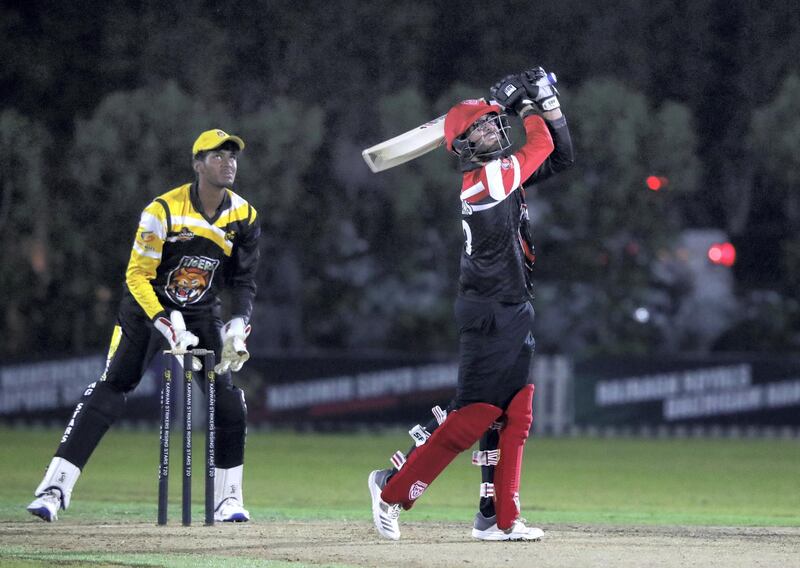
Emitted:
<point x="463" y="115"/>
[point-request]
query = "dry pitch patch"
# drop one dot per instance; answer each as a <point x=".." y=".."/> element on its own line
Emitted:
<point x="423" y="545"/>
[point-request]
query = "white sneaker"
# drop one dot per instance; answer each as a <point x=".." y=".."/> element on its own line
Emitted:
<point x="46" y="505"/>
<point x="486" y="529"/>
<point x="231" y="511"/>
<point x="384" y="515"/>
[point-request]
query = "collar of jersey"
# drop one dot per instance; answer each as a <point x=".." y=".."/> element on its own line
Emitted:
<point x="194" y="197"/>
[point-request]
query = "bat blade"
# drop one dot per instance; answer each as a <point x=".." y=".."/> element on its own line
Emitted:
<point x="405" y="147"/>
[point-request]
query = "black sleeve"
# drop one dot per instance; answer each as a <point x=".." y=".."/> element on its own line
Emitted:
<point x="243" y="276"/>
<point x="562" y="156"/>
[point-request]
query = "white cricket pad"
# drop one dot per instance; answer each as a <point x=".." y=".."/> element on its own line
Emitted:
<point x="61" y="475"/>
<point x="227" y="484"/>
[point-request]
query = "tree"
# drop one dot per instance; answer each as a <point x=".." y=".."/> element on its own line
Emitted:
<point x="135" y="146"/>
<point x="283" y="137"/>
<point x="775" y="132"/>
<point x="600" y="229"/>
<point x="26" y="267"/>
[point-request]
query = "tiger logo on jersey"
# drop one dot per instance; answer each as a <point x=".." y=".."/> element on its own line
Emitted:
<point x="191" y="279"/>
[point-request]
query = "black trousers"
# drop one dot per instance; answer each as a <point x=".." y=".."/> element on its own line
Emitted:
<point x="134" y="344"/>
<point x="495" y="349"/>
<point x="132" y="352"/>
<point x="496" y="346"/>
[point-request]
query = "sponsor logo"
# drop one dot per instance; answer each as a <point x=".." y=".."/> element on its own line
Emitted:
<point x="182" y="236"/>
<point x="550" y="104"/>
<point x="71" y="423"/>
<point x="505" y="163"/>
<point x="147" y="236"/>
<point x="230" y="236"/>
<point x="465" y="208"/>
<point x="62" y="477"/>
<point x="191" y="279"/>
<point x="417" y="489"/>
<point x="509" y="89"/>
<point x="419" y="434"/>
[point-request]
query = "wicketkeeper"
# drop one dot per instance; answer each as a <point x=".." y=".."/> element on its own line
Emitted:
<point x="493" y="312"/>
<point x="191" y="242"/>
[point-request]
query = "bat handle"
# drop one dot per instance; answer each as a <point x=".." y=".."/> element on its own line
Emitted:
<point x="549" y="79"/>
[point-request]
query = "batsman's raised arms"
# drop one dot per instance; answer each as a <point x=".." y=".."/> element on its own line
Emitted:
<point x="429" y="136"/>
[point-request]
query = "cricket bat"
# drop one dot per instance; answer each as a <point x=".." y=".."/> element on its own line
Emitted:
<point x="416" y="142"/>
<point x="406" y="146"/>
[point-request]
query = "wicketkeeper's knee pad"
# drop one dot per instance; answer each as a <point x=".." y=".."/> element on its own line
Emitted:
<point x="231" y="427"/>
<point x="458" y="432"/>
<point x="519" y="417"/>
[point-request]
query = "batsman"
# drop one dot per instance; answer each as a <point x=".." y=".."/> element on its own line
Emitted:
<point x="493" y="311"/>
<point x="191" y="242"/>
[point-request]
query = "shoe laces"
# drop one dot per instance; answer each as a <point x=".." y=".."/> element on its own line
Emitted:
<point x="229" y="502"/>
<point x="51" y="496"/>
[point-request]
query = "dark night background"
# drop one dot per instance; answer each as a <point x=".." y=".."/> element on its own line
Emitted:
<point x="102" y="101"/>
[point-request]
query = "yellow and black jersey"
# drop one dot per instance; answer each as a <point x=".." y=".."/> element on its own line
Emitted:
<point x="181" y="259"/>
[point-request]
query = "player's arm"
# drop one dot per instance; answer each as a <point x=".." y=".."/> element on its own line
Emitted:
<point x="242" y="279"/>
<point x="544" y="99"/>
<point x="146" y="257"/>
<point x="562" y="156"/>
<point x="539" y="146"/>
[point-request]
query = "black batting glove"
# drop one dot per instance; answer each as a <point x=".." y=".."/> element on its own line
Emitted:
<point x="542" y="93"/>
<point x="509" y="92"/>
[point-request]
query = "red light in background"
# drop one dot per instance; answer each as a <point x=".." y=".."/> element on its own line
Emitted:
<point x="656" y="183"/>
<point x="722" y="253"/>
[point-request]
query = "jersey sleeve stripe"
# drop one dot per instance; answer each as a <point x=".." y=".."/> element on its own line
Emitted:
<point x="236" y="200"/>
<point x="150" y="222"/>
<point x="494" y="180"/>
<point x="470" y="191"/>
<point x="241" y="213"/>
<point x="142" y="269"/>
<point x="148" y="253"/>
<point x="517" y="173"/>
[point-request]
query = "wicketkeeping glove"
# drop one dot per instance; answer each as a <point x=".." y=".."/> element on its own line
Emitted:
<point x="545" y="96"/>
<point x="234" y="346"/>
<point x="509" y="92"/>
<point x="178" y="337"/>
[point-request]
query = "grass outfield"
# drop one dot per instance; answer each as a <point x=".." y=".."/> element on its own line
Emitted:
<point x="302" y="476"/>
